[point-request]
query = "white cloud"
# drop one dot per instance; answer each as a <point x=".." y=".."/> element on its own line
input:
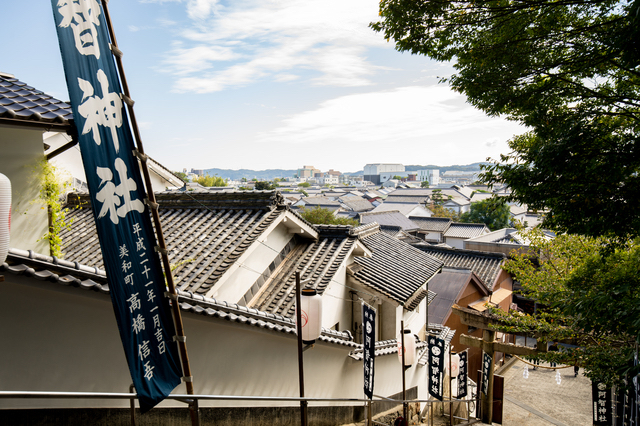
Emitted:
<point x="324" y="41"/>
<point x="432" y="119"/>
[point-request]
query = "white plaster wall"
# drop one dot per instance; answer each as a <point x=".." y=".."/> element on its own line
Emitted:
<point x="455" y="242"/>
<point x="255" y="260"/>
<point x="420" y="212"/>
<point x="21" y="151"/>
<point x="70" y="162"/>
<point x="336" y="304"/>
<point x="65" y="339"/>
<point x="433" y="236"/>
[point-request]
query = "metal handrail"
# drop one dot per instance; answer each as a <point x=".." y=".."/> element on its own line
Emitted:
<point x="182" y="397"/>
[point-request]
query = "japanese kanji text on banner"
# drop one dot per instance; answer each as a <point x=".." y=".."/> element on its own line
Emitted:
<point x="436" y="366"/>
<point x="369" y="349"/>
<point x="136" y="282"/>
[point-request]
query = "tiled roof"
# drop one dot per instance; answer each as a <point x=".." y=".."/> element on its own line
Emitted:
<point x="432" y="224"/>
<point x="60" y="272"/>
<point x="411" y="199"/>
<point x="23" y="103"/>
<point x="391" y="230"/>
<point x="417" y="192"/>
<point x="386" y="347"/>
<point x="448" y="286"/>
<point x="390" y="218"/>
<point x="318" y="261"/>
<point x="204" y="236"/>
<point x="442" y="332"/>
<point x="485" y="265"/>
<point x="396" y="269"/>
<point x="320" y="201"/>
<point x="460" y="201"/>
<point x="357" y="204"/>
<point x="466" y="230"/>
<point x="404" y="208"/>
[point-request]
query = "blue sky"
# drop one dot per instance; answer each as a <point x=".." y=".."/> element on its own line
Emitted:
<point x="268" y="84"/>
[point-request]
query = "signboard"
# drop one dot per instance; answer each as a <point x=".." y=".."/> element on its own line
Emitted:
<point x="601" y="397"/>
<point x="369" y="342"/>
<point x="436" y="366"/>
<point x="486" y="371"/>
<point x="462" y="375"/>
<point x="136" y="282"/>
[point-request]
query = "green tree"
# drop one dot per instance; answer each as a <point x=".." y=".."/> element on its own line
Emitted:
<point x="210" y="181"/>
<point x="424" y="184"/>
<point x="572" y="276"/>
<point x="396" y="177"/>
<point x="265" y="186"/>
<point x="304" y="184"/>
<point x="493" y="212"/>
<point x="320" y="216"/>
<point x="567" y="70"/>
<point x="182" y="176"/>
<point x="437" y="197"/>
<point x="439" y="211"/>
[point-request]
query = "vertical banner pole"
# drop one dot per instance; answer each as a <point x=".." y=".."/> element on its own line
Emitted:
<point x="153" y="206"/>
<point x="303" y="403"/>
<point x="450" y="389"/>
<point x="404" y="385"/>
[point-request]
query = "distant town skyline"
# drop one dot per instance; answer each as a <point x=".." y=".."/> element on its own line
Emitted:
<point x="269" y="84"/>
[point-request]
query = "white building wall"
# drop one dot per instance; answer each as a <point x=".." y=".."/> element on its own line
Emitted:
<point x="66" y="339"/>
<point x="22" y="150"/>
<point x="455" y="242"/>
<point x="235" y="283"/>
<point x="335" y="308"/>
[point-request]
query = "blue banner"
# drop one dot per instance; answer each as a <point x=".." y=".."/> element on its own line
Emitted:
<point x="369" y="342"/>
<point x="486" y="372"/>
<point x="462" y="375"/>
<point x="436" y="367"/>
<point x="601" y="400"/>
<point x="136" y="282"/>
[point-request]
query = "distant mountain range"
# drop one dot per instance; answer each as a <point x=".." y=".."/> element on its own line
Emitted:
<point x="271" y="174"/>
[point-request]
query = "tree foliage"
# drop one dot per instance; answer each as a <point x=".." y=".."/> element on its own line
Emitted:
<point x="52" y="192"/>
<point x="569" y="71"/>
<point x="182" y="175"/>
<point x="304" y="184"/>
<point x="265" y="186"/>
<point x="210" y="181"/>
<point x="439" y="211"/>
<point x="588" y="294"/>
<point x="493" y="212"/>
<point x="320" y="216"/>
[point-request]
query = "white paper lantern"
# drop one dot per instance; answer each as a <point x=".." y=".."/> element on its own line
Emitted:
<point x="311" y="315"/>
<point x="455" y="365"/>
<point x="5" y="216"/>
<point x="409" y="348"/>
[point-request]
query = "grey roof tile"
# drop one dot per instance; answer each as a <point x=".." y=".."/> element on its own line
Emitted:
<point x="432" y="224"/>
<point x="203" y="238"/>
<point x="318" y="261"/>
<point x="396" y="269"/>
<point x="466" y="230"/>
<point x="389" y="218"/>
<point x="485" y="265"/>
<point x="24" y="103"/>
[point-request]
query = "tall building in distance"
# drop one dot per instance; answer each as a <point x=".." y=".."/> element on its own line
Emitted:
<point x="307" y="172"/>
<point x="378" y="173"/>
<point x="432" y="176"/>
